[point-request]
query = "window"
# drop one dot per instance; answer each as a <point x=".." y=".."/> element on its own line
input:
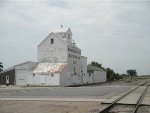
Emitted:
<point x="89" y="74"/>
<point x="52" y="74"/>
<point x="33" y="75"/>
<point x="74" y="62"/>
<point x="68" y="36"/>
<point x="74" y="70"/>
<point x="7" y="77"/>
<point x="70" y="56"/>
<point x="52" y="41"/>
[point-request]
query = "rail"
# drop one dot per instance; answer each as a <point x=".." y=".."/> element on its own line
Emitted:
<point x="140" y="100"/>
<point x="105" y="110"/>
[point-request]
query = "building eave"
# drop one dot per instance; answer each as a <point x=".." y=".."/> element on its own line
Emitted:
<point x="45" y="38"/>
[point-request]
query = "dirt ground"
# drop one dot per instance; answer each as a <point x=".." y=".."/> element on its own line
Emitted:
<point x="48" y="107"/>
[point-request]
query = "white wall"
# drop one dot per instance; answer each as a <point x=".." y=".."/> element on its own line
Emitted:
<point x="32" y="65"/>
<point x="84" y="75"/>
<point x="23" y="72"/>
<point x="90" y="78"/>
<point x="96" y="77"/>
<point x="21" y="76"/>
<point x="65" y="77"/>
<point x="63" y="50"/>
<point x="53" y="81"/>
<point x="99" y="76"/>
<point x="74" y="65"/>
<point x="44" y="79"/>
<point x="71" y="74"/>
<point x="54" y="53"/>
<point x="75" y="73"/>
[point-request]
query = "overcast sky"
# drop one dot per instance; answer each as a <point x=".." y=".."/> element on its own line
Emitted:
<point x="115" y="33"/>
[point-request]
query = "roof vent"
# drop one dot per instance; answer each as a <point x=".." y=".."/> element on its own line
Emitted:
<point x="74" y="42"/>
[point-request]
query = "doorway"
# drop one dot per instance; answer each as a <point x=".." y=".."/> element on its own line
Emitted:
<point x="7" y="80"/>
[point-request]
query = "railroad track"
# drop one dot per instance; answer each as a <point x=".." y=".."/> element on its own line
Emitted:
<point x="140" y="99"/>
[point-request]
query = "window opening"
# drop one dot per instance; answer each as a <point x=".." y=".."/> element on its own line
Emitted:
<point x="52" y="74"/>
<point x="52" y="41"/>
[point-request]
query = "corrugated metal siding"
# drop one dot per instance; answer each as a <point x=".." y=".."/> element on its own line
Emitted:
<point x="21" y="76"/>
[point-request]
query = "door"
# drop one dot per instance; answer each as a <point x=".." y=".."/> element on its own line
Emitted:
<point x="7" y="80"/>
<point x="21" y="77"/>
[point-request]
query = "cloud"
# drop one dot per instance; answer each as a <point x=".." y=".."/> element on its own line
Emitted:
<point x="112" y="32"/>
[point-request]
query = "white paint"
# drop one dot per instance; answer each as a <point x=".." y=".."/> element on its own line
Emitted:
<point x="57" y="49"/>
<point x="52" y="53"/>
<point x="84" y="75"/>
<point x="99" y="77"/>
<point x="96" y="77"/>
<point x="22" y="72"/>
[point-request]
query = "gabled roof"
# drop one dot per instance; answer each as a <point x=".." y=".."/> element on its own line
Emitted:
<point x="69" y="30"/>
<point x="61" y="39"/>
<point x="57" y="35"/>
<point x="93" y="68"/>
<point x="60" y="30"/>
<point x="49" y="68"/>
<point x="25" y="63"/>
<point x="45" y="38"/>
<point x="56" y="32"/>
<point x="13" y="67"/>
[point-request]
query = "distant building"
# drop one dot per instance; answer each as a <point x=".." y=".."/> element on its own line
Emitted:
<point x="20" y="74"/>
<point x="96" y="75"/>
<point x="59" y="64"/>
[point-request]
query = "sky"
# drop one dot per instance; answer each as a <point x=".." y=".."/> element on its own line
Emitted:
<point x="115" y="33"/>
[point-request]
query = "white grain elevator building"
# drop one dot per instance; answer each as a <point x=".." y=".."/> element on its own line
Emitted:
<point x="59" y="61"/>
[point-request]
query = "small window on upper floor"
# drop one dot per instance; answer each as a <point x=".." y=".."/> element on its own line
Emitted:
<point x="69" y="36"/>
<point x="89" y="74"/>
<point x="52" y="41"/>
<point x="74" y="69"/>
<point x="52" y="75"/>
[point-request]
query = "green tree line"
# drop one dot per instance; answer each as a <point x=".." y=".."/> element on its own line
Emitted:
<point x="1" y="66"/>
<point x="111" y="75"/>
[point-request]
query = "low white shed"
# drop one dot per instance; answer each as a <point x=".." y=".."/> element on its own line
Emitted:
<point x="95" y="75"/>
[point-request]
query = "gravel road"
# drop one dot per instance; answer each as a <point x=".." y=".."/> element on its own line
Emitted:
<point x="48" y="107"/>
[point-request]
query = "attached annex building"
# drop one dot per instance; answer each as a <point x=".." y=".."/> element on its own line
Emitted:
<point x="59" y="63"/>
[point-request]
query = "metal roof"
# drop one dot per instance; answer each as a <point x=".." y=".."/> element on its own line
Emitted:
<point x="94" y="68"/>
<point x="49" y="67"/>
<point x="60" y="30"/>
<point x="13" y="67"/>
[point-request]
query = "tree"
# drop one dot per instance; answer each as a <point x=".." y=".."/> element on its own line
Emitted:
<point x="96" y="64"/>
<point x="117" y="76"/>
<point x="131" y="72"/>
<point x="110" y="74"/>
<point x="1" y="66"/>
<point x="93" y="63"/>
